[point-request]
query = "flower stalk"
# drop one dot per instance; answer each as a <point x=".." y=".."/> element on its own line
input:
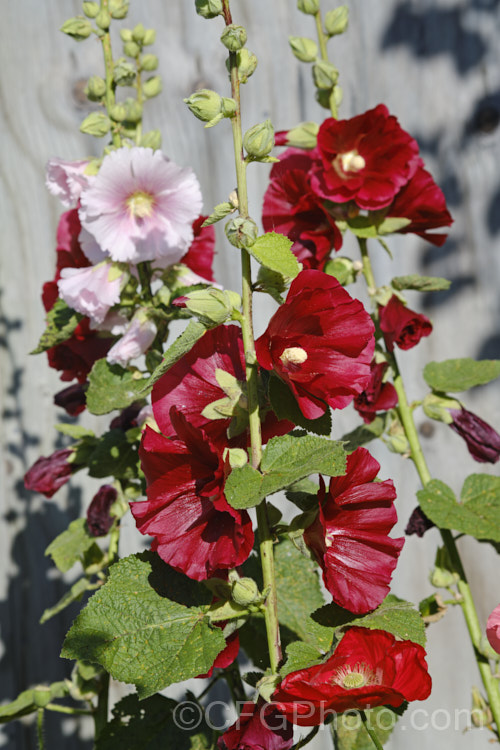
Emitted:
<point x="110" y="84"/>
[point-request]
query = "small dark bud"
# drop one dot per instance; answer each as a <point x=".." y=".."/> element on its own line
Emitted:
<point x="99" y="520"/>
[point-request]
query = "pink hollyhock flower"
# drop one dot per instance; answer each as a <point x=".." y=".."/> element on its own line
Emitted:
<point x="136" y="340"/>
<point x="66" y="179"/>
<point x="377" y="396"/>
<point x="196" y="530"/>
<point x="93" y="290"/>
<point x="482" y="440"/>
<point x="349" y="537"/>
<point x="366" y="159"/>
<point x="200" y="256"/>
<point x="72" y="399"/>
<point x="320" y="342"/>
<point x="197" y="380"/>
<point x="99" y="519"/>
<point x="259" y="727"/>
<point x="402" y="326"/>
<point x="422" y="201"/>
<point x="292" y="209"/>
<point x="49" y="473"/>
<point x="493" y="629"/>
<point x="368" y="668"/>
<point x="141" y="206"/>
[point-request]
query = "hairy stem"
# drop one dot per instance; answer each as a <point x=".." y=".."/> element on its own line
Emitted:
<point x="321" y="36"/>
<point x="68" y="710"/>
<point x="101" y="711"/>
<point x="370" y="731"/>
<point x="39" y="728"/>
<point x="110" y="84"/>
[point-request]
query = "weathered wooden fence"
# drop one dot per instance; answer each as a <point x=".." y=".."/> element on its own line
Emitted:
<point x="436" y="64"/>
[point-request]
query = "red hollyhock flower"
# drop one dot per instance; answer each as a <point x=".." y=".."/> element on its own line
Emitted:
<point x="402" y="326"/>
<point x="259" y="727"/>
<point x="482" y="440"/>
<point x="292" y="209"/>
<point x="49" y="473"/>
<point x="377" y="396"/>
<point x="368" y="668"/>
<point x="320" y="342"/>
<point x="191" y="385"/>
<point x="196" y="530"/>
<point x="99" y="519"/>
<point x="367" y="159"/>
<point x="422" y="201"/>
<point x="228" y="653"/>
<point x="200" y="256"/>
<point x="349" y="538"/>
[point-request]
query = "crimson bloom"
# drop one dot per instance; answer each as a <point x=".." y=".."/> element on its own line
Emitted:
<point x="377" y="396"/>
<point x="200" y="256"/>
<point x="493" y="629"/>
<point x="99" y="518"/>
<point x="366" y="159"/>
<point x="402" y="326"/>
<point x="196" y="530"/>
<point x="72" y="399"/>
<point x="482" y="440"/>
<point x="291" y="208"/>
<point x="349" y="538"/>
<point x="320" y="342"/>
<point x="228" y="653"/>
<point x="368" y="668"/>
<point x="49" y="473"/>
<point x="259" y="727"/>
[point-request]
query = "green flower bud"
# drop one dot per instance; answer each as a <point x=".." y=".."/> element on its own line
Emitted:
<point x="118" y="8"/>
<point x="246" y="61"/>
<point x="304" y="135"/>
<point x="241" y="232"/>
<point x="304" y="49"/>
<point x="442" y="577"/>
<point x="118" y="112"/>
<point x="204" y="104"/>
<point x="131" y="49"/>
<point x="244" y="591"/>
<point x="208" y="8"/>
<point x="96" y="88"/>
<point x="149" y="62"/>
<point x="336" y="20"/>
<point x="396" y="439"/>
<point x="480" y="714"/>
<point x="325" y="75"/>
<point x="233" y="37"/>
<point x="213" y="305"/>
<point x="103" y="19"/>
<point x="97" y="124"/>
<point x="308" y="6"/>
<point x="151" y="139"/>
<point x="138" y="33"/>
<point x="91" y="9"/>
<point x="149" y="37"/>
<point x="152" y="87"/>
<point x="134" y="111"/>
<point x="436" y="407"/>
<point x="124" y="72"/>
<point x="342" y="269"/>
<point x="41" y="695"/>
<point x="126" y="35"/>
<point x="228" y="107"/>
<point x="259" y="140"/>
<point x="78" y="28"/>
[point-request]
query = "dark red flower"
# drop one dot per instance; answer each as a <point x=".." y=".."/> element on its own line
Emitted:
<point x="368" y="668"/>
<point x="377" y="396"/>
<point x="402" y="326"/>
<point x="482" y="440"/>
<point x="198" y="380"/>
<point x="99" y="519"/>
<point x="292" y="209"/>
<point x="72" y="399"/>
<point x="350" y="536"/>
<point x="127" y="418"/>
<point x="49" y="473"/>
<point x="320" y="342"/>
<point x="200" y="256"/>
<point x="196" y="530"/>
<point x="366" y="159"/>
<point x="259" y="727"/>
<point x="422" y="201"/>
<point x="228" y="653"/>
<point x="418" y="523"/>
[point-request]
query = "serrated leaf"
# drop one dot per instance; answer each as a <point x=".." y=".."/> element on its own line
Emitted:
<point x="420" y="283"/>
<point x="285" y="406"/>
<point x="26" y="702"/>
<point x="71" y="545"/>
<point x="75" y="431"/>
<point x="477" y="515"/>
<point x="454" y="375"/>
<point x="273" y="251"/>
<point x="74" y="594"/>
<point x="221" y="210"/>
<point x="285" y="460"/>
<point x="112" y="387"/>
<point x="303" y="494"/>
<point x="363" y="434"/>
<point x="352" y="735"/>
<point x="181" y="346"/>
<point x="115" y="455"/>
<point x="147" y="626"/>
<point x="300" y="655"/>
<point x="61" y="322"/>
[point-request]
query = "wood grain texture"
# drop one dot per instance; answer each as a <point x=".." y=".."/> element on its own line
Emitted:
<point x="436" y="64"/>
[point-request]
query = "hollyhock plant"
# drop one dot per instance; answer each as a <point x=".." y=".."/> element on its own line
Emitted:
<point x="75" y="357"/>
<point x="93" y="290"/>
<point x="366" y="159"/>
<point x="349" y="538"/>
<point x="196" y="530"/>
<point x="141" y="206"/>
<point x="401" y="326"/>
<point x="493" y="629"/>
<point x="259" y="727"/>
<point x="320" y="342"/>
<point x="377" y="396"/>
<point x="292" y="209"/>
<point x="66" y="179"/>
<point x="368" y="668"/>
<point x="49" y="473"/>
<point x="136" y="340"/>
<point x="482" y="440"/>
<point x="99" y="519"/>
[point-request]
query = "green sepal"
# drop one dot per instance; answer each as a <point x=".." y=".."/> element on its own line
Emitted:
<point x="61" y="323"/>
<point x="112" y="387"/>
<point x="273" y="251"/>
<point x="363" y="434"/>
<point x="70" y="546"/>
<point x="220" y="211"/>
<point x="285" y="406"/>
<point x="30" y="701"/>
<point x="420" y="283"/>
<point x="392" y="224"/>
<point x="455" y="375"/>
<point x="75" y="593"/>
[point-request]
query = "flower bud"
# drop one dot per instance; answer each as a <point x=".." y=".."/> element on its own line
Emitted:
<point x="436" y="407"/>
<point x="118" y="8"/>
<point x="244" y="591"/>
<point x="138" y="33"/>
<point x="131" y="49"/>
<point x="304" y="135"/>
<point x="152" y="87"/>
<point x="149" y="62"/>
<point x="149" y="37"/>
<point x="124" y="72"/>
<point x="342" y="269"/>
<point x="77" y="28"/>
<point x="442" y="577"/>
<point x="308" y="6"/>
<point x="480" y="714"/>
<point x="126" y="35"/>
<point x="134" y="111"/>
<point x="208" y="8"/>
<point x="151" y="139"/>
<point x="241" y="232"/>
<point x="325" y="74"/>
<point x="336" y="20"/>
<point x="91" y="9"/>
<point x="103" y="19"/>
<point x="246" y="62"/>
<point x="97" y="124"/>
<point x="258" y="141"/>
<point x="118" y="112"/>
<point x="304" y="49"/>
<point x="95" y="89"/>
<point x="214" y="305"/>
<point x="204" y="104"/>
<point x="233" y="37"/>
<point x="229" y="106"/>
<point x="41" y="695"/>
<point x="396" y="439"/>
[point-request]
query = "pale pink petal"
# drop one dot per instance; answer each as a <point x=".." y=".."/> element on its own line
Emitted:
<point x="137" y="339"/>
<point x="66" y="180"/>
<point x="90" y="248"/>
<point x="90" y="291"/>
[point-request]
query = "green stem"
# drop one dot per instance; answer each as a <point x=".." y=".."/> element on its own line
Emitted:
<point x="144" y="271"/>
<point x="101" y="711"/>
<point x="370" y="731"/>
<point x="321" y="36"/>
<point x="140" y="99"/>
<point x="39" y="728"/>
<point x="68" y="710"/>
<point x="110" y="84"/>
<point x="307" y="739"/>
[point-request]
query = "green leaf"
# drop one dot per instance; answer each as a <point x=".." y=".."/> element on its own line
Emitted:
<point x="478" y="514"/>
<point x="285" y="460"/>
<point x="362" y="226"/>
<point x="363" y="434"/>
<point x="115" y="455"/>
<point x="303" y="494"/>
<point x="150" y="725"/>
<point x="61" y="322"/>
<point x="71" y="545"/>
<point x="392" y="224"/>
<point x="31" y="700"/>
<point x="220" y="211"/>
<point x="181" y="346"/>
<point x="111" y="387"/>
<point x="147" y="625"/>
<point x="420" y="283"/>
<point x="300" y="655"/>
<point x="75" y="431"/>
<point x="74" y="594"/>
<point x="273" y="251"/>
<point x="285" y="406"/>
<point x="352" y="735"/>
<point x="454" y="375"/>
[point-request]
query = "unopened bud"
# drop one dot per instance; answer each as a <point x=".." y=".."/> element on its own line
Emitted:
<point x="442" y="577"/>
<point x="126" y="35"/>
<point x="152" y="87"/>
<point x="91" y="9"/>
<point x="41" y="695"/>
<point x="259" y="140"/>
<point x="342" y="269"/>
<point x="103" y="19"/>
<point x="97" y="124"/>
<point x="233" y="37"/>
<point x="246" y="62"/>
<point x="205" y="104"/>
<point x="208" y="8"/>
<point x="396" y="439"/>
<point x="149" y="37"/>
<point x="118" y="112"/>
<point x="436" y="407"/>
<point x="138" y="33"/>
<point x="241" y="232"/>
<point x="118" y="8"/>
<point x="134" y="111"/>
<point x="124" y="72"/>
<point x="481" y="714"/>
<point x="304" y="49"/>
<point x="131" y="49"/>
<point x="244" y="591"/>
<point x="149" y="62"/>
<point x="96" y="88"/>
<point x="213" y="305"/>
<point x="308" y="6"/>
<point x="228" y="107"/>
<point x="304" y="135"/>
<point x="325" y="75"/>
<point x="151" y="139"/>
<point x="336" y="20"/>
<point x="77" y="28"/>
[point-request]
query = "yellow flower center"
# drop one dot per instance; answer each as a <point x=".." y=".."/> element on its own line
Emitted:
<point x="358" y="676"/>
<point x="293" y="355"/>
<point x="140" y="204"/>
<point x="352" y="161"/>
